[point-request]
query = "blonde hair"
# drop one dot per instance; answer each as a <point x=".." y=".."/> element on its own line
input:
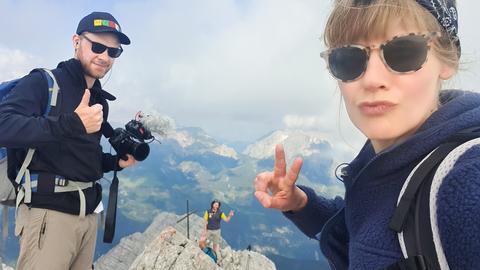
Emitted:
<point x="350" y="22"/>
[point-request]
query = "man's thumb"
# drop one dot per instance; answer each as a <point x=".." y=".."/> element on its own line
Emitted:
<point x="85" y="98"/>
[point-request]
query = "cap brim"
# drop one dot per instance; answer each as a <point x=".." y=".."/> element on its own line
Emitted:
<point x="123" y="38"/>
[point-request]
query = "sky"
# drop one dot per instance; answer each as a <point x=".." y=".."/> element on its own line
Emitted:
<point x="239" y="69"/>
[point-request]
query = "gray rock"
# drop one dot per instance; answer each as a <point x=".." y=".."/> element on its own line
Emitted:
<point x="164" y="245"/>
<point x="121" y="256"/>
<point x="173" y="251"/>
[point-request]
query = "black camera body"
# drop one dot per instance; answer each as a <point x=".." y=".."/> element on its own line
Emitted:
<point x="131" y="140"/>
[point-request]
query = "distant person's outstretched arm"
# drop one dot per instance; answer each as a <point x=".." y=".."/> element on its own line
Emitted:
<point x="227" y="218"/>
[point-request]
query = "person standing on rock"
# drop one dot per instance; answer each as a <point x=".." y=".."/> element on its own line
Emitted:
<point x="212" y="219"/>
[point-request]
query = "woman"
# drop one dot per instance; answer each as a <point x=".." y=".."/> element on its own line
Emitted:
<point x="390" y="58"/>
<point x="213" y="218"/>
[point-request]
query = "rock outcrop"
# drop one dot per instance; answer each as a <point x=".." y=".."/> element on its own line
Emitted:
<point x="172" y="250"/>
<point x="164" y="245"/>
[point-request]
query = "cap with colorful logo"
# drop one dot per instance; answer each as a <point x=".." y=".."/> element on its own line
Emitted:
<point x="102" y="22"/>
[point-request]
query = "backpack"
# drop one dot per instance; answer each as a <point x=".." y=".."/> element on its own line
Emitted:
<point x="210" y="252"/>
<point x="414" y="219"/>
<point x="7" y="187"/>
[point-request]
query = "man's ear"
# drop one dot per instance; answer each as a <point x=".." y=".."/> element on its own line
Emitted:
<point x="75" y="41"/>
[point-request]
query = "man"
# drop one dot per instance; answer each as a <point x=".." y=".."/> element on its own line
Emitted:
<point x="57" y="224"/>
<point x="212" y="219"/>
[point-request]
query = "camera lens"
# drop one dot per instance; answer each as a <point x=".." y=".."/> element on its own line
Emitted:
<point x="140" y="151"/>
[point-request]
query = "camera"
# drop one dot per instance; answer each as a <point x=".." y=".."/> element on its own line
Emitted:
<point x="131" y="140"/>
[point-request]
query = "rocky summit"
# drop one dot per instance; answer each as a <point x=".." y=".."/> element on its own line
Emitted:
<point x="164" y="245"/>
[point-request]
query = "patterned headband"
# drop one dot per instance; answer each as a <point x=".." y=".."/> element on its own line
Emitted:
<point x="446" y="14"/>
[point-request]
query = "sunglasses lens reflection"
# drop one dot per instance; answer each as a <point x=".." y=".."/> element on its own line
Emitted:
<point x="406" y="54"/>
<point x="402" y="55"/>
<point x="99" y="48"/>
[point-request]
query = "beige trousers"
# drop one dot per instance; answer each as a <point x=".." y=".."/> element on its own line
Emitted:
<point x="54" y="240"/>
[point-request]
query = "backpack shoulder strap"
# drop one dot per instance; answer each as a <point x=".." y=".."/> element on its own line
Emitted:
<point x="52" y="87"/>
<point x="442" y="171"/>
<point x="53" y="90"/>
<point x="415" y="216"/>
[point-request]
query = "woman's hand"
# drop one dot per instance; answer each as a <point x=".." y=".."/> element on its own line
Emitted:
<point x="277" y="189"/>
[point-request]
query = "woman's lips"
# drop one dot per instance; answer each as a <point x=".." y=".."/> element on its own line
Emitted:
<point x="376" y="107"/>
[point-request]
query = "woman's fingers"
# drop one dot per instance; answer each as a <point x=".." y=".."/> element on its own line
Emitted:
<point x="262" y="181"/>
<point x="294" y="172"/>
<point x="274" y="189"/>
<point x="280" y="165"/>
<point x="264" y="199"/>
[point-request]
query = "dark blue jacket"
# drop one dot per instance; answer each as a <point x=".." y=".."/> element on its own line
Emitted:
<point x="354" y="230"/>
<point x="63" y="146"/>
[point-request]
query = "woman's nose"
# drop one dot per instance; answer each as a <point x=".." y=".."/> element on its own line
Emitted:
<point x="376" y="74"/>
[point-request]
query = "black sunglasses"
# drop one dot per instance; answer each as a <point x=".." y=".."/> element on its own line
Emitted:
<point x="402" y="54"/>
<point x="99" y="48"/>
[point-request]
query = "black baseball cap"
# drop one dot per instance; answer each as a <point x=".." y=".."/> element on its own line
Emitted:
<point x="102" y="22"/>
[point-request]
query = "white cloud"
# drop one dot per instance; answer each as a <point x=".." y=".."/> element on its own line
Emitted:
<point x="283" y="230"/>
<point x="238" y="69"/>
<point x="15" y="63"/>
<point x="292" y="121"/>
<point x="265" y="249"/>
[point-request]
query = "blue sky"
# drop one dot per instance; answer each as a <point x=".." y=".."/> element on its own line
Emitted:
<point x="238" y="69"/>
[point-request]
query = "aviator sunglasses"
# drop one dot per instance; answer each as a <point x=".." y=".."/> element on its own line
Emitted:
<point x="402" y="54"/>
<point x="99" y="48"/>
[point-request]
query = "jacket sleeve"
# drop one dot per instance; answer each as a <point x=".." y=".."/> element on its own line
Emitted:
<point x="109" y="163"/>
<point x="22" y="123"/>
<point x="458" y="212"/>
<point x="315" y="214"/>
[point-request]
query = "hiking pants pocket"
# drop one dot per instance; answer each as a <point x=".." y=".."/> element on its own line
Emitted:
<point x="31" y="226"/>
<point x="43" y="228"/>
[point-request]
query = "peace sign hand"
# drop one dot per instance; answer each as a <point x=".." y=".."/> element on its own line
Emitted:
<point x="277" y="189"/>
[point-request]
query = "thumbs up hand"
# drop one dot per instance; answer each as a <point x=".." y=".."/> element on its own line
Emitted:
<point x="91" y="116"/>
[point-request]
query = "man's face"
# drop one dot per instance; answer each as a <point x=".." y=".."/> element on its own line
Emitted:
<point x="95" y="65"/>
<point x="215" y="205"/>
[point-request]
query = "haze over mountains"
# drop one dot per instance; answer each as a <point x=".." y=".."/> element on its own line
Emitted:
<point x="191" y="165"/>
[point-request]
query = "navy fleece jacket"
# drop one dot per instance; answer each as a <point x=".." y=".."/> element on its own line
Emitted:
<point x="354" y="230"/>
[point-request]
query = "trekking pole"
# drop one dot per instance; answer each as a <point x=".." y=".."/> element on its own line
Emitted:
<point x="188" y="222"/>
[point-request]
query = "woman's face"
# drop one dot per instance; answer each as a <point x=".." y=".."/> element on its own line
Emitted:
<point x="388" y="107"/>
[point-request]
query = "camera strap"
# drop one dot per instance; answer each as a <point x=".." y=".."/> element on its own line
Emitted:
<point x="111" y="208"/>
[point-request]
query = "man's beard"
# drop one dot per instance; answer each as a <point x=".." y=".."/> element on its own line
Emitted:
<point x="89" y="72"/>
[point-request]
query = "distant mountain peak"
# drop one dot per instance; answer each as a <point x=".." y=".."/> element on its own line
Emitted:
<point x="202" y="142"/>
<point x="295" y="142"/>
